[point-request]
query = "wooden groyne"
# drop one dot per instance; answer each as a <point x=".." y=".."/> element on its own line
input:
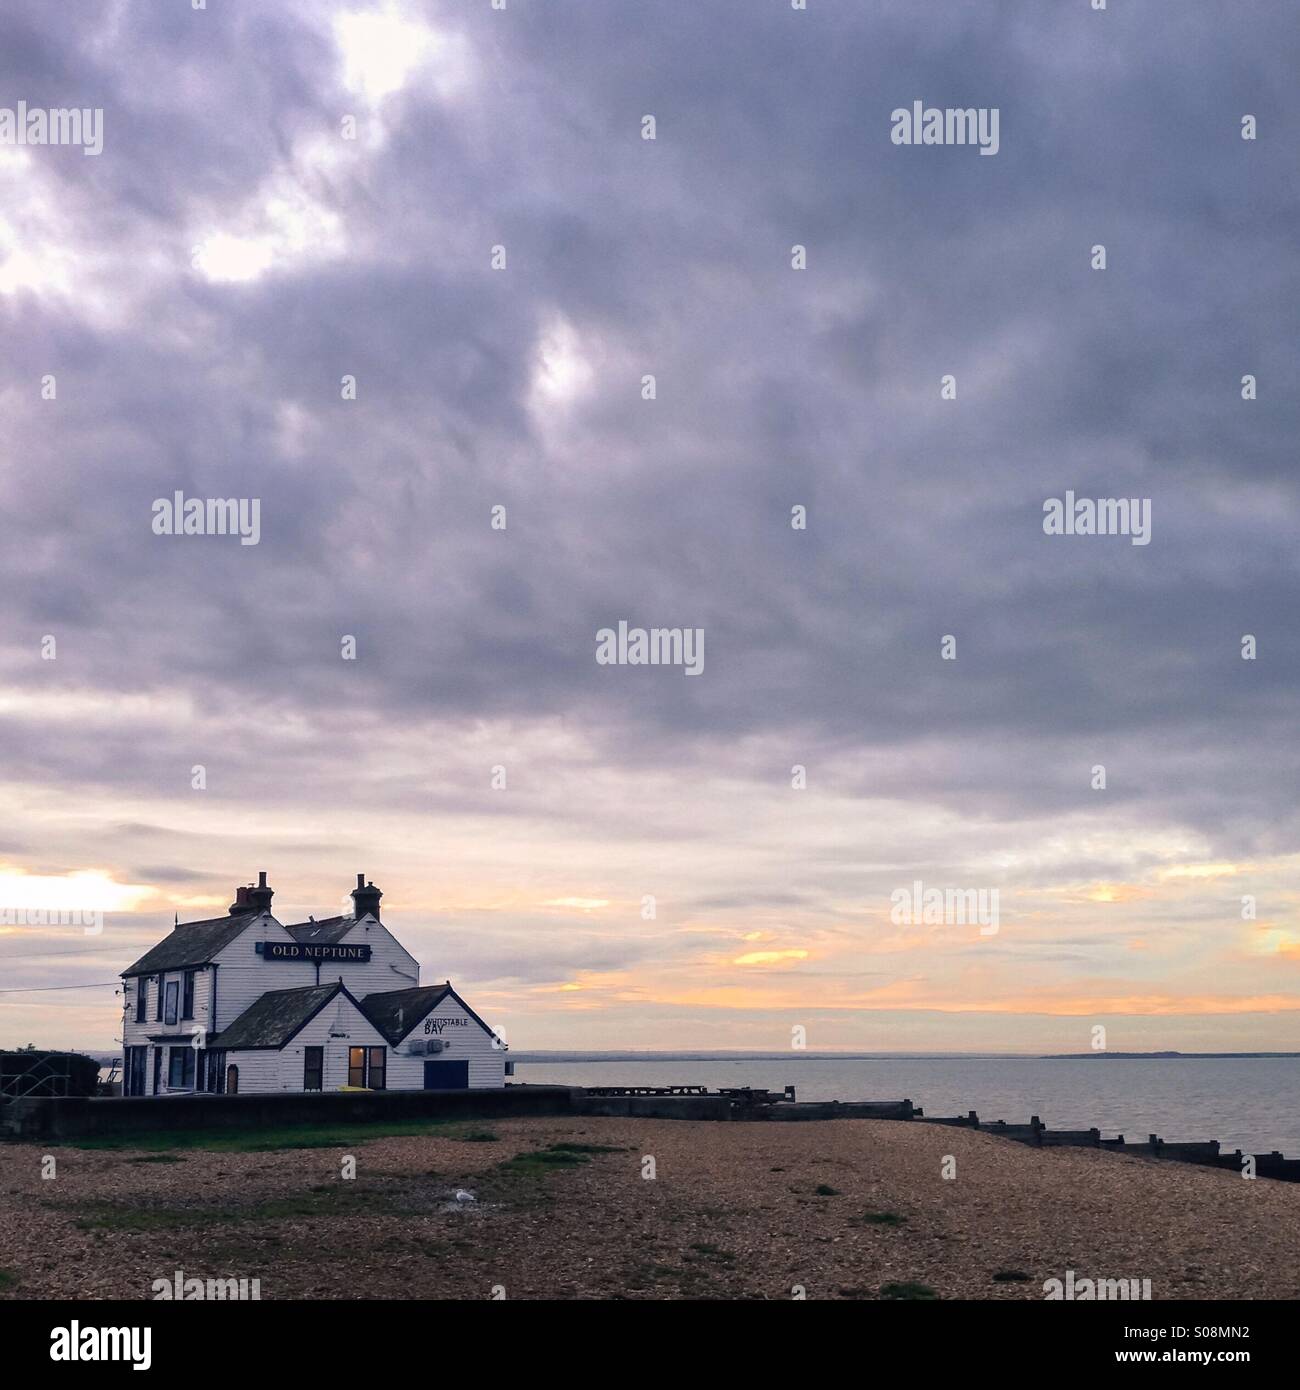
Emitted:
<point x="1208" y="1153"/>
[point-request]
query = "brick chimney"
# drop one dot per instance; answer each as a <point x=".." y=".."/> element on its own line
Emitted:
<point x="259" y="898"/>
<point x="365" y="899"/>
<point x="250" y="899"/>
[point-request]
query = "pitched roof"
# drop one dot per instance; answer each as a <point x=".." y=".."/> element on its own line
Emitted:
<point x="192" y="943"/>
<point x="274" y="1018"/>
<point x="396" y="1011"/>
<point x="323" y="933"/>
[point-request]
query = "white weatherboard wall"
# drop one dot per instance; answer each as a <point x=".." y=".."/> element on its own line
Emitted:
<point x="464" y="1039"/>
<point x="391" y="965"/>
<point x="137" y="1034"/>
<point x="258" y="1071"/>
<point x="338" y="1026"/>
<point x="240" y="974"/>
<point x="244" y="977"/>
<point x="338" y="1017"/>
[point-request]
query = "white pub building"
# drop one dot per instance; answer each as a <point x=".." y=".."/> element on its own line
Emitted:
<point x="244" y="1004"/>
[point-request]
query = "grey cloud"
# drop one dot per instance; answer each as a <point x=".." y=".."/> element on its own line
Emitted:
<point x="775" y="388"/>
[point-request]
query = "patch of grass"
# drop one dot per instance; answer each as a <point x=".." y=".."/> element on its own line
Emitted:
<point x="587" y="1149"/>
<point x="649" y="1275"/>
<point x="114" y="1216"/>
<point x="908" y="1290"/>
<point x="881" y="1218"/>
<point x="343" y="1199"/>
<point x="695" y="1279"/>
<point x="713" y="1252"/>
<point x="7" y="1280"/>
<point x="328" y="1201"/>
<point x="542" y="1161"/>
<point x="1012" y="1276"/>
<point x="478" y="1136"/>
<point x="263" y="1140"/>
<point x="825" y="1190"/>
<point x="519" y="1180"/>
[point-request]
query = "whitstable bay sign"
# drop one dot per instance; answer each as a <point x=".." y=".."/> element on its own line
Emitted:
<point x="297" y="950"/>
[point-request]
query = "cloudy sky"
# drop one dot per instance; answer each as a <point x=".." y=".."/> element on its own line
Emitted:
<point x="199" y="291"/>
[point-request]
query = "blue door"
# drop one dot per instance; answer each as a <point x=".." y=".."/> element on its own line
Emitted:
<point x="446" y="1076"/>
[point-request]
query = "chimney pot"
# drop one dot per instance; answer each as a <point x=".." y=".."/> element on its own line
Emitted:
<point x="259" y="898"/>
<point x="365" y="899"/>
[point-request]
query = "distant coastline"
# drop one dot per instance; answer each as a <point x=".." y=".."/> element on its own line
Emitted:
<point x="807" y="1056"/>
<point x="107" y="1059"/>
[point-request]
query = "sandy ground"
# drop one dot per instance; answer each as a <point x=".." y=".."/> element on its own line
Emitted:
<point x="732" y="1211"/>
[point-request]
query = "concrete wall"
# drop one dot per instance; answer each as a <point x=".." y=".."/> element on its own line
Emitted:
<point x="661" y="1107"/>
<point x="839" y="1110"/>
<point x="78" y="1118"/>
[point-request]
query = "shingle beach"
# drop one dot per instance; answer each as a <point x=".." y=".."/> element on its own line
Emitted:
<point x="562" y="1208"/>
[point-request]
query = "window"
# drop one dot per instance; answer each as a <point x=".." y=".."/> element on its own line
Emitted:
<point x="159" y="1001"/>
<point x="232" y="1081"/>
<point x="173" y="993"/>
<point x="313" y="1068"/>
<point x="367" y="1066"/>
<point x="180" y="1069"/>
<point x="141" y="998"/>
<point x="187" y="996"/>
<point x="216" y="1063"/>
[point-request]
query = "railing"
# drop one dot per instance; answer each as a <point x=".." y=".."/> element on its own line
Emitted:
<point x="40" y="1074"/>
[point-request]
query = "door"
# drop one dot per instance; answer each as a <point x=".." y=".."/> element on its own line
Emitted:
<point x="446" y="1076"/>
<point x="313" y="1068"/>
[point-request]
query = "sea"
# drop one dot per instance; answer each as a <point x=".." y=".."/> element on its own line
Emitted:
<point x="1251" y="1103"/>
